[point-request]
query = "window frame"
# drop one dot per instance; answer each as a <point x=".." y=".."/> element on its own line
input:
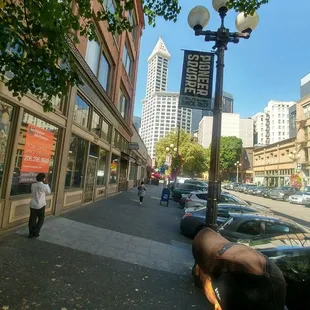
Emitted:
<point x="103" y="53"/>
<point x="129" y="56"/>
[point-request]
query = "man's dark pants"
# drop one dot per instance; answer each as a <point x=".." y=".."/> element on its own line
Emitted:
<point x="36" y="221"/>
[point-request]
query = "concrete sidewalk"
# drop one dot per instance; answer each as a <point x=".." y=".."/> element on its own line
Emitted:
<point x="113" y="254"/>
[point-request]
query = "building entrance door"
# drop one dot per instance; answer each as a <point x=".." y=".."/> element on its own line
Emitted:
<point x="90" y="182"/>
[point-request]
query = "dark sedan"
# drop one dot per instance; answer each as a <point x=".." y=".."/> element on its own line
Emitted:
<point x="194" y="218"/>
<point x="246" y="226"/>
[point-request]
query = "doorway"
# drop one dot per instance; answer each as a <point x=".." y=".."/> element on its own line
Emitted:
<point x="123" y="174"/>
<point x="90" y="182"/>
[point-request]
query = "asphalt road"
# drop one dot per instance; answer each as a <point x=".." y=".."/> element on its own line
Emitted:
<point x="41" y="274"/>
<point x="297" y="213"/>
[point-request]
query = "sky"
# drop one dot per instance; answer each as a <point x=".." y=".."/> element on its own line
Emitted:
<point x="266" y="67"/>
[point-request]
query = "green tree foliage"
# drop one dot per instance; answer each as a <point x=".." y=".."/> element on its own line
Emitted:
<point x="196" y="158"/>
<point x="231" y="150"/>
<point x="34" y="36"/>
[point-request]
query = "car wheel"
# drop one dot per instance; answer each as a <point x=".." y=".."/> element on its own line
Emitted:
<point x="285" y="198"/>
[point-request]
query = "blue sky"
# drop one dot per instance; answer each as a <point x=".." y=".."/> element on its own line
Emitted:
<point x="266" y="67"/>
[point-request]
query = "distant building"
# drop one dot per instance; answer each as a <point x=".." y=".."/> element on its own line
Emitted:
<point x="197" y="115"/>
<point x="160" y="113"/>
<point x="232" y="126"/>
<point x="137" y="122"/>
<point x="305" y="86"/>
<point x="292" y="119"/>
<point x="273" y="125"/>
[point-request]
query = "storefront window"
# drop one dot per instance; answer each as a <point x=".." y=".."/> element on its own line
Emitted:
<point x="81" y="112"/>
<point x="102" y="167"/>
<point x="6" y="112"/>
<point x="114" y="169"/>
<point x="133" y="171"/>
<point x="95" y="124"/>
<point x="36" y="152"/>
<point x="106" y="130"/>
<point x="117" y="140"/>
<point x="77" y="157"/>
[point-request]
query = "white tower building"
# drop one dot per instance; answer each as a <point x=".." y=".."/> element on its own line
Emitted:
<point x="160" y="113"/>
<point x="273" y="125"/>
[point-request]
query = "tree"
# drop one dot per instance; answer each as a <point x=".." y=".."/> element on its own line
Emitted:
<point x="231" y="150"/>
<point x="35" y="37"/>
<point x="194" y="156"/>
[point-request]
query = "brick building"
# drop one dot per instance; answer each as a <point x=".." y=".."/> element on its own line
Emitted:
<point x="90" y="148"/>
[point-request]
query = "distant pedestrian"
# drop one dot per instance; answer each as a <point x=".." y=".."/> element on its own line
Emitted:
<point x="141" y="192"/>
<point x="39" y="190"/>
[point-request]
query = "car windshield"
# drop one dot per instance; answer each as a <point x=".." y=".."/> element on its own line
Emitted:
<point x="298" y="194"/>
<point x="226" y="223"/>
<point x="284" y="188"/>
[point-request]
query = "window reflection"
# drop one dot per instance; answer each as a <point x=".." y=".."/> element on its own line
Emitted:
<point x="35" y="153"/>
<point x="102" y="167"/>
<point x="81" y="112"/>
<point x="6" y="112"/>
<point x="75" y="169"/>
<point x="114" y="169"/>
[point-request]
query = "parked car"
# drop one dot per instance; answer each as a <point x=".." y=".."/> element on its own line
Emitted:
<point x="258" y="191"/>
<point x="292" y="255"/>
<point x="241" y="188"/>
<point x="253" y="226"/>
<point x="183" y="200"/>
<point x="199" y="199"/>
<point x="249" y="188"/>
<point x="196" y="182"/>
<point x="300" y="198"/>
<point x="194" y="218"/>
<point x="282" y="192"/>
<point x="186" y="188"/>
<point x="231" y="186"/>
<point x="266" y="192"/>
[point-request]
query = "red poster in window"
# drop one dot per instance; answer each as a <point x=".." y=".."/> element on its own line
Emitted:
<point x="38" y="150"/>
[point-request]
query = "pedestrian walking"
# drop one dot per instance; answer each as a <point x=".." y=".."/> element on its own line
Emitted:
<point x="39" y="190"/>
<point x="141" y="192"/>
<point x="236" y="277"/>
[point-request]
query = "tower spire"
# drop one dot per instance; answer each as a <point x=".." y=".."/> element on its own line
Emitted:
<point x="160" y="49"/>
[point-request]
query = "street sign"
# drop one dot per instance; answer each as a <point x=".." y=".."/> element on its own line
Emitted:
<point x="133" y="146"/>
<point x="197" y="80"/>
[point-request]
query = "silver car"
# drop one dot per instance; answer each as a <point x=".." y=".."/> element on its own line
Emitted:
<point x="300" y="198"/>
<point x="199" y="199"/>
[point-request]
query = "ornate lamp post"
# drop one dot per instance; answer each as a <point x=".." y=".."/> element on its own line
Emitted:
<point x="237" y="164"/>
<point x="198" y="18"/>
<point x="170" y="150"/>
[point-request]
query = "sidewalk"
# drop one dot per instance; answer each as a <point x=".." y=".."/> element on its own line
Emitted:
<point x="112" y="254"/>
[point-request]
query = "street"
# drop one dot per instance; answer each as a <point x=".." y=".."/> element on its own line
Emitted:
<point x="112" y="254"/>
<point x="297" y="213"/>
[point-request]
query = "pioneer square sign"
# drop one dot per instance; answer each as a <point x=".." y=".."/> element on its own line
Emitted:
<point x="197" y="78"/>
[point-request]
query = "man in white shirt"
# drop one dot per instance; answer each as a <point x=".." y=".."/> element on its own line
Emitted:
<point x="39" y="190"/>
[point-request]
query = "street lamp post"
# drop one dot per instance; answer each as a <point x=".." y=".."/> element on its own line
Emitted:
<point x="198" y="18"/>
<point x="169" y="150"/>
<point x="237" y="164"/>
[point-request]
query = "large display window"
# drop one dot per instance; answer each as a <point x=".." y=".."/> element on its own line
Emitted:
<point x="6" y="113"/>
<point x="114" y="166"/>
<point x="76" y="162"/>
<point x="102" y="167"/>
<point x="36" y="152"/>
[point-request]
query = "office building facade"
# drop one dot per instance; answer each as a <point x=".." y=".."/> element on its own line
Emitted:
<point x="160" y="112"/>
<point x="84" y="145"/>
<point x="232" y="126"/>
